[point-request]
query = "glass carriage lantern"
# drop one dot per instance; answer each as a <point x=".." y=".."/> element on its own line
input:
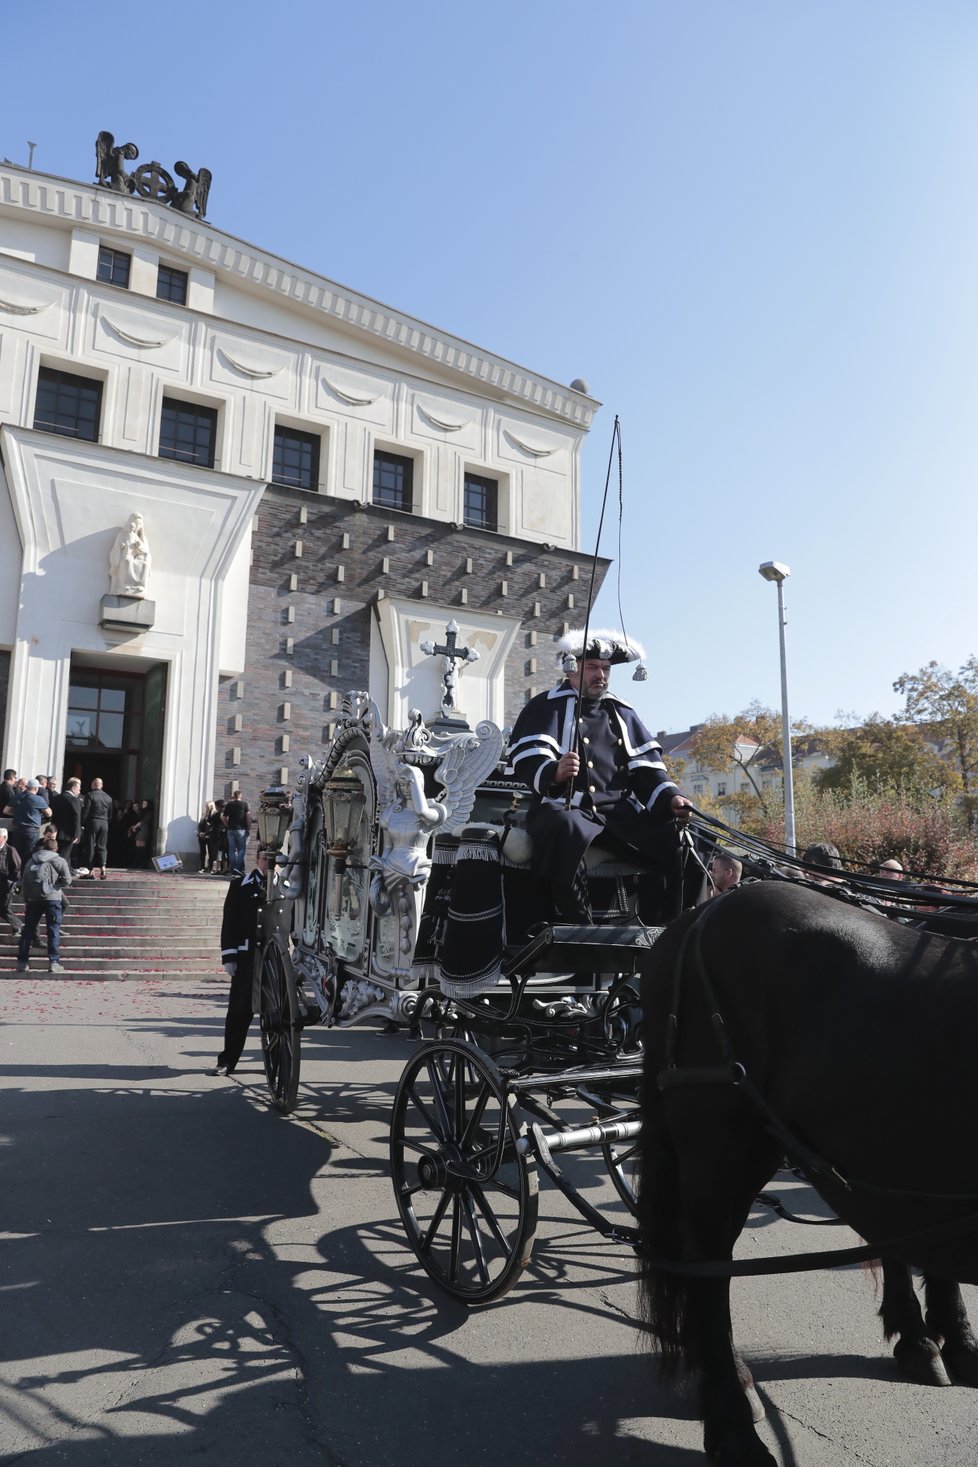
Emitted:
<point x="343" y="806"/>
<point x="274" y="817"/>
<point x="343" y="802"/>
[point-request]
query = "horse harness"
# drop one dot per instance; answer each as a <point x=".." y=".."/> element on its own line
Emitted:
<point x="809" y="1163"/>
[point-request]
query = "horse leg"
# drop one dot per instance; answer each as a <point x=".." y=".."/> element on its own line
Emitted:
<point x="917" y="1350"/>
<point x="716" y="1200"/>
<point x="947" y="1320"/>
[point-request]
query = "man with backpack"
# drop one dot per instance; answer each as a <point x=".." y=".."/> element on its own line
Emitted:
<point x="44" y="876"/>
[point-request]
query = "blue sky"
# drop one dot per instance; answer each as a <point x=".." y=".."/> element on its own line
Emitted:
<point x="752" y="227"/>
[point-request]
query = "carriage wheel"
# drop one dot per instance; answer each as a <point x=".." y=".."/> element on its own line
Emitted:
<point x="465" y="1182"/>
<point x="621" y="1158"/>
<point x="280" y="1027"/>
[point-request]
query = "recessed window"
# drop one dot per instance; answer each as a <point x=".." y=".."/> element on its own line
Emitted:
<point x="721" y="789"/>
<point x="113" y="267"/>
<point x="295" y="459"/>
<point x="481" y="502"/>
<point x="171" y="285"/>
<point x="68" y="404"/>
<point x="393" y="481"/>
<point x="188" y="432"/>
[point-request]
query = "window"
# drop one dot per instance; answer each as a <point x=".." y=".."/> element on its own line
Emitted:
<point x="188" y="432"/>
<point x="721" y="789"/>
<point x="68" y="404"/>
<point x="393" y="481"/>
<point x="171" y="285"/>
<point x="481" y="502"/>
<point x="295" y="459"/>
<point x="113" y="267"/>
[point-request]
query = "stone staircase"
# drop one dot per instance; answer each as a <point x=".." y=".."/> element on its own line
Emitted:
<point x="135" y="924"/>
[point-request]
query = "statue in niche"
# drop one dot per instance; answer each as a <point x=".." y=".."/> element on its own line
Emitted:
<point x="192" y="198"/>
<point x="110" y="161"/>
<point x="130" y="560"/>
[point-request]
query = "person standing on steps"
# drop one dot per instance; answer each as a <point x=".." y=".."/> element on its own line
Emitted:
<point x="96" y="814"/>
<point x="44" y="877"/>
<point x="236" y="818"/>
<point x="9" y="875"/>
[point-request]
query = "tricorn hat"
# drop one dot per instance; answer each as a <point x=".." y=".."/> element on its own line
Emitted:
<point x="602" y="645"/>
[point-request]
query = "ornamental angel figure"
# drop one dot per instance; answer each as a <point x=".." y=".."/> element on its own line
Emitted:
<point x="130" y="560"/>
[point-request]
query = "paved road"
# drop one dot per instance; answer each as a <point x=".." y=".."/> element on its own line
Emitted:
<point x="184" y="1271"/>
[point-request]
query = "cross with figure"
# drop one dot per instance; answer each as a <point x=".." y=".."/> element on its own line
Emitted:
<point x="452" y="654"/>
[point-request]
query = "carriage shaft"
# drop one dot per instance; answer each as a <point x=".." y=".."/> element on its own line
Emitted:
<point x="602" y="1133"/>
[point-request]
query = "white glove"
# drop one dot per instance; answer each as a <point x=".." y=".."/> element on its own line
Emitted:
<point x="230" y="969"/>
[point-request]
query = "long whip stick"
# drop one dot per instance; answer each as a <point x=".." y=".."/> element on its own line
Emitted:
<point x="615" y="441"/>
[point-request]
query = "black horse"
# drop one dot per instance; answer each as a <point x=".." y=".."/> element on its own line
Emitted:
<point x="807" y="1026"/>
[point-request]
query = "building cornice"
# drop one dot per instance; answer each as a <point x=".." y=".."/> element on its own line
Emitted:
<point x="199" y="244"/>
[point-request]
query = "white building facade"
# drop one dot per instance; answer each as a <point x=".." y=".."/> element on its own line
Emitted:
<point x="152" y="365"/>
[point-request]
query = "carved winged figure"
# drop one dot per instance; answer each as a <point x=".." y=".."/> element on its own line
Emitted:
<point x="409" y="816"/>
<point x="192" y="198"/>
<point x="109" y="163"/>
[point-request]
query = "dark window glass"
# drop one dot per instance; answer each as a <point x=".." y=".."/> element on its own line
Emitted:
<point x="295" y="459"/>
<point x="171" y="285"/>
<point x="113" y="266"/>
<point x="393" y="481"/>
<point x="188" y="432"/>
<point x="68" y="404"/>
<point x="481" y="501"/>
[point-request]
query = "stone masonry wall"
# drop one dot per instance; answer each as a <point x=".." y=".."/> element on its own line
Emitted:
<point x="309" y="618"/>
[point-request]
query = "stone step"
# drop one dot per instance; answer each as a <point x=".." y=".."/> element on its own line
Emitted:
<point x="120" y="963"/>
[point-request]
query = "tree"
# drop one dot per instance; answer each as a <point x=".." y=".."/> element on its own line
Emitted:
<point x="748" y="743"/>
<point x="944" y="704"/>
<point x="882" y="754"/>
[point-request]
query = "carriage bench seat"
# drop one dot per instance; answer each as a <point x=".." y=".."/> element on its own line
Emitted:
<point x="563" y="948"/>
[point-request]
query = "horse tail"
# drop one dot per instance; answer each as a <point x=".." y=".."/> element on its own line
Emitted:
<point x="662" y="1296"/>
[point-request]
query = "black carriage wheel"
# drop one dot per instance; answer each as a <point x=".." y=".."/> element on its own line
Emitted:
<point x="280" y="1027"/>
<point x="621" y="1159"/>
<point x="465" y="1182"/>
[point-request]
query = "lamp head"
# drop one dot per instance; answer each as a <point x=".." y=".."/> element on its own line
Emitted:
<point x="773" y="570"/>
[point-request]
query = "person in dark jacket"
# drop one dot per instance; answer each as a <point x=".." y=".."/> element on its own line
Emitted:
<point x="44" y="877"/>
<point x="96" y="814"/>
<point x="239" y="947"/>
<point x="27" y="809"/>
<point x="9" y="875"/>
<point x="599" y="753"/>
<point x="66" y="814"/>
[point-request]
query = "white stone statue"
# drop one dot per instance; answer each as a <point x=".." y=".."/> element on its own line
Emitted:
<point x="130" y="560"/>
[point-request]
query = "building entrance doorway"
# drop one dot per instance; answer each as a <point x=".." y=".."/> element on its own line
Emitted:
<point x="115" y="730"/>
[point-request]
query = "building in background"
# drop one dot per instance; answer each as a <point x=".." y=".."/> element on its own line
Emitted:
<point x="321" y="482"/>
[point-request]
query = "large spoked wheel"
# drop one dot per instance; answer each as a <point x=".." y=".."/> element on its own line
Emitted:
<point x="465" y="1182"/>
<point x="280" y="1027"/>
<point x="622" y="1160"/>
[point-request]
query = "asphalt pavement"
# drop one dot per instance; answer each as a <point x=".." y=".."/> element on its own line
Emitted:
<point x="184" y="1271"/>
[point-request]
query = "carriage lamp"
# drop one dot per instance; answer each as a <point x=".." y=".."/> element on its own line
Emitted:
<point x="343" y="806"/>
<point x="274" y="816"/>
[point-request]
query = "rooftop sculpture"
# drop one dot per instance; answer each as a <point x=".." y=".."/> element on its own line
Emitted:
<point x="150" y="180"/>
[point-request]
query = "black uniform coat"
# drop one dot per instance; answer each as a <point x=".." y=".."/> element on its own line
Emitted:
<point x="239" y="945"/>
<point x="622" y="785"/>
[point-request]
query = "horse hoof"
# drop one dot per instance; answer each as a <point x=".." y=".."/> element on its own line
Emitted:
<point x="743" y="1454"/>
<point x="921" y="1363"/>
<point x="962" y="1366"/>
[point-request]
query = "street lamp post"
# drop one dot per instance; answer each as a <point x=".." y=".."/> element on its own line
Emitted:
<point x="773" y="570"/>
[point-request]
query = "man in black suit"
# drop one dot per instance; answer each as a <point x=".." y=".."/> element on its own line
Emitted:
<point x="66" y="812"/>
<point x="239" y="949"/>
